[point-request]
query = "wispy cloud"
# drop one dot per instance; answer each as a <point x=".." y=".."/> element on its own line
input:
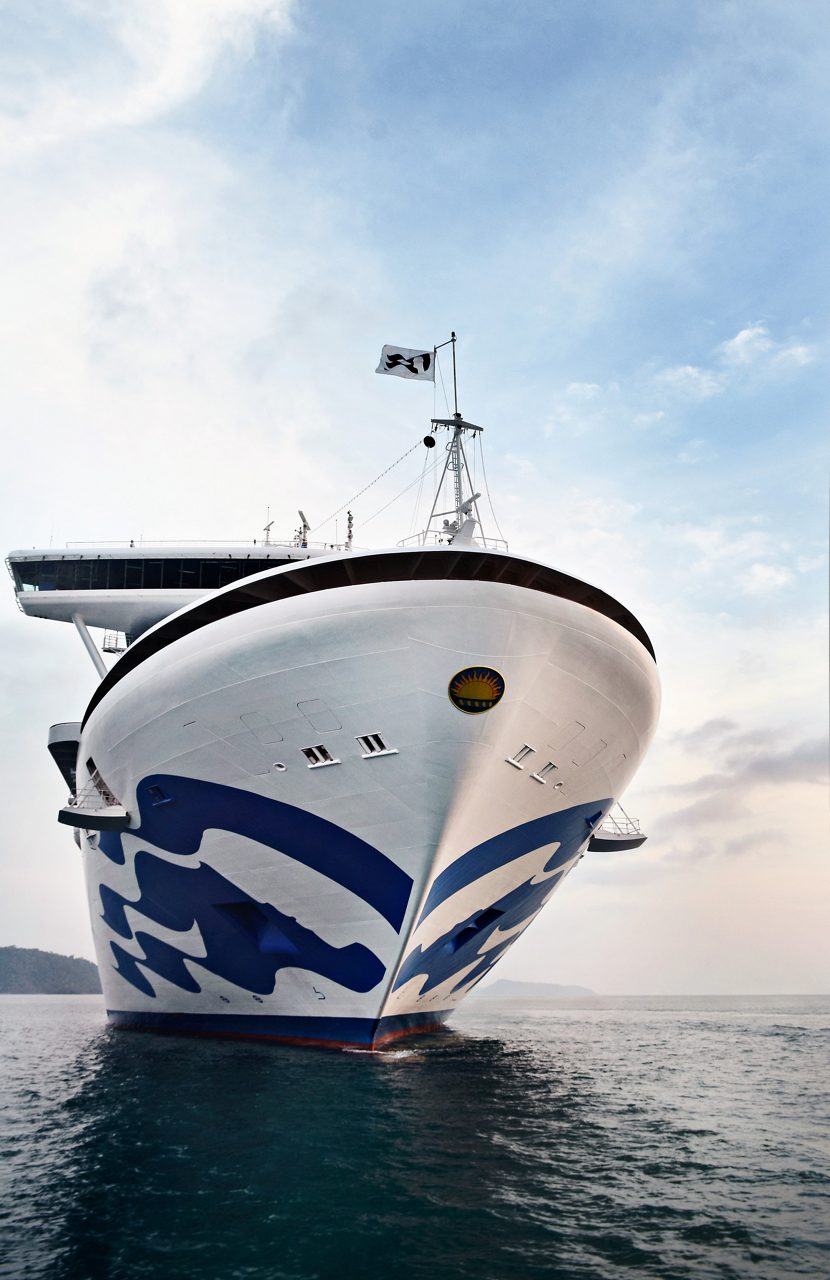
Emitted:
<point x="583" y="390"/>
<point x="749" y="345"/>
<point x="711" y="731"/>
<point x="726" y="806"/>
<point x="805" y="762"/>
<point x="141" y="61"/>
<point x="763" y="578"/>
<point x="754" y="346"/>
<point x="687" y="380"/>
<point x="751" y="353"/>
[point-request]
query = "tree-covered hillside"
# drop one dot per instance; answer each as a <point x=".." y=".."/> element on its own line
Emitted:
<point x="25" y="971"/>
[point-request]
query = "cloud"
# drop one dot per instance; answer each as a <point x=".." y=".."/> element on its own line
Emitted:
<point x="693" y="453"/>
<point x="806" y="564"/>
<point x="688" y="852"/>
<point x="687" y="381"/>
<point x="707" y="733"/>
<point x="807" y="762"/>
<point x="728" y="796"/>
<point x="747" y="346"/>
<point x="722" y="544"/>
<point x="139" y="61"/>
<point x="752" y="842"/>
<point x="583" y="390"/>
<point x="754" y="346"/>
<point x="753" y="353"/>
<point x="710" y="810"/>
<point x="797" y="354"/>
<point x="763" y="578"/>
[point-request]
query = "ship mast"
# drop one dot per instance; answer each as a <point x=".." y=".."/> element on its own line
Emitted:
<point x="460" y="521"/>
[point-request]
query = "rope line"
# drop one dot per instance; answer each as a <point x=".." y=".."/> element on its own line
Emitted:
<point x="411" y="485"/>
<point x="391" y="467"/>
<point x="443" y="388"/>
<point x="487" y="490"/>
<point x="417" y="506"/>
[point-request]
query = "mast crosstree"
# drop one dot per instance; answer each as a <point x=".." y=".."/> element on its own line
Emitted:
<point x="458" y="524"/>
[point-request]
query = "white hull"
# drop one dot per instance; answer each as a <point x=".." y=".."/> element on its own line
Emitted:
<point x="346" y="902"/>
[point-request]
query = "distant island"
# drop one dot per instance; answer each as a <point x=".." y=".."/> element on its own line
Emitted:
<point x="505" y="989"/>
<point x="25" y="971"/>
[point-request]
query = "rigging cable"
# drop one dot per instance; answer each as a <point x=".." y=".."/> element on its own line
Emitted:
<point x="443" y="388"/>
<point x="391" y="467"/>
<point x="487" y="490"/>
<point x="411" y="485"/>
<point x="417" y="506"/>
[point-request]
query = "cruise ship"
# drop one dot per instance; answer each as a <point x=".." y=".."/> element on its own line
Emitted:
<point x="320" y="791"/>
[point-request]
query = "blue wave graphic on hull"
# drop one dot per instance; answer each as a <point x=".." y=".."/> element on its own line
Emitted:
<point x="176" y="812"/>
<point x="246" y="942"/>
<point x="460" y="946"/>
<point x="569" y="828"/>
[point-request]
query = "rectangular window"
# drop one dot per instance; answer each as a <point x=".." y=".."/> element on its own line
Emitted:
<point x="520" y="755"/>
<point x="210" y="575"/>
<point x="171" y="574"/>
<point x="190" y="575"/>
<point x="66" y="573"/>
<point x="152" y="575"/>
<point x="542" y="775"/>
<point x="372" y="744"/>
<point x="230" y="571"/>
<point x="317" y="756"/>
<point x="134" y="575"/>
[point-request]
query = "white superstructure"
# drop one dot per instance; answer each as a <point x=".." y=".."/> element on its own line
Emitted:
<point x="317" y="799"/>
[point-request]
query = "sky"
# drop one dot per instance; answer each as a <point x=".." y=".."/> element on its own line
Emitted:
<point x="214" y="215"/>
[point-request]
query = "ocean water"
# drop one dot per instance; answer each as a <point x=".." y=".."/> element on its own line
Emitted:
<point x="621" y="1137"/>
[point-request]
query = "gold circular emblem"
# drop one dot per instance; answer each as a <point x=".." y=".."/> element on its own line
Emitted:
<point x="475" y="689"/>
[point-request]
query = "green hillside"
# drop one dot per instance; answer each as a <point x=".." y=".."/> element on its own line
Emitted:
<point x="26" y="971"/>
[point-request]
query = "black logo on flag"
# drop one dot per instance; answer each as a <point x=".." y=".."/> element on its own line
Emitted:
<point x="409" y="362"/>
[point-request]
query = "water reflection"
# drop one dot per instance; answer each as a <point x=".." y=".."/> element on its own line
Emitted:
<point x="211" y="1158"/>
<point x="571" y="1144"/>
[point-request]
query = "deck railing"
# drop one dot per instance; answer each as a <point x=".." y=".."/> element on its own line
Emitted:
<point x="625" y="826"/>
<point x="435" y="538"/>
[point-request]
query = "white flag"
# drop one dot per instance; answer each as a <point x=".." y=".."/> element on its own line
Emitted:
<point x="404" y="363"/>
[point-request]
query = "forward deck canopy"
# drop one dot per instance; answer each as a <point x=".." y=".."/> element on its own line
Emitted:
<point x="127" y="588"/>
<point x="138" y="572"/>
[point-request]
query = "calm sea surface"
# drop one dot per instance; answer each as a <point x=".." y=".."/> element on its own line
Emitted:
<point x="682" y="1137"/>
